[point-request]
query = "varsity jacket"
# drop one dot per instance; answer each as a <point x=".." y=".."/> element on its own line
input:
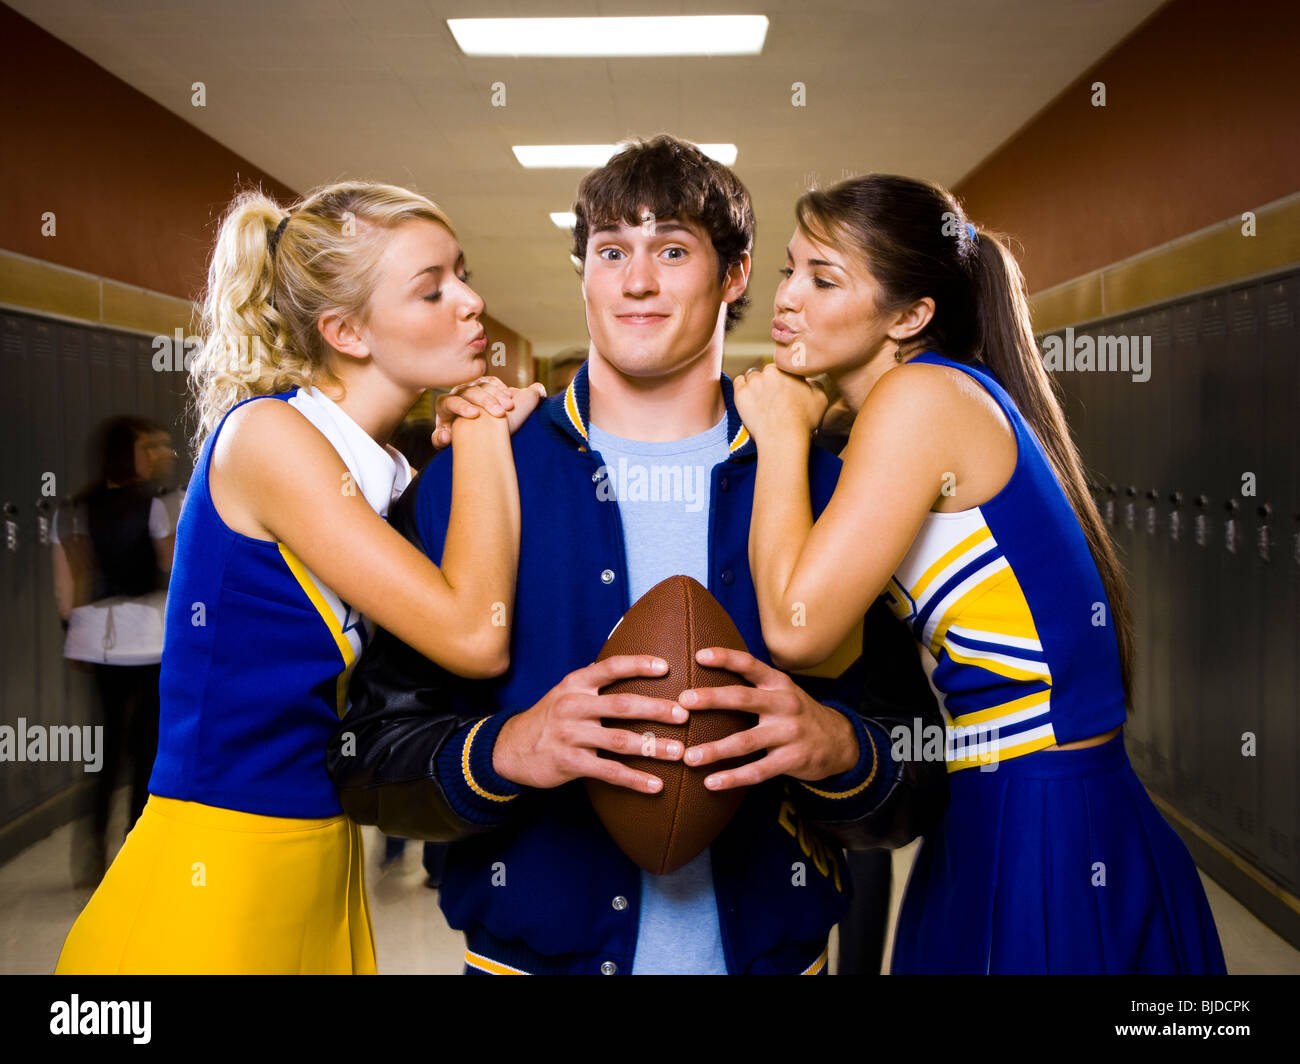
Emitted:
<point x="533" y="879"/>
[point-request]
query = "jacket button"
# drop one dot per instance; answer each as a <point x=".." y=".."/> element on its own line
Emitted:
<point x="728" y="577"/>
<point x="724" y="484"/>
<point x="620" y="903"/>
<point x="609" y="968"/>
<point x="607" y="577"/>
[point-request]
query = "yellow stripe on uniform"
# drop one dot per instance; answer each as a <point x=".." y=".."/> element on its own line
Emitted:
<point x="740" y="439"/>
<point x="994" y="756"/>
<point x="995" y="606"/>
<point x="571" y="408"/>
<point x="981" y="715"/>
<point x="331" y="622"/>
<point x="999" y="667"/>
<point x="487" y="964"/>
<point x="947" y="558"/>
<point x="817" y="965"/>
<point x="469" y="776"/>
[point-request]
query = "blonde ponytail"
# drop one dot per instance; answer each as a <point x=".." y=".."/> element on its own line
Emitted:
<point x="258" y="330"/>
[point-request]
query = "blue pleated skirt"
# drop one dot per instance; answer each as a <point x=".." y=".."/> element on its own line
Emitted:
<point x="1055" y="862"/>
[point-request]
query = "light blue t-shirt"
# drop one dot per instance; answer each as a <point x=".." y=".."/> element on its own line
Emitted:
<point x="662" y="492"/>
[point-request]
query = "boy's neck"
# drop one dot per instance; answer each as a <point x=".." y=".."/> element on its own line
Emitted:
<point x="671" y="406"/>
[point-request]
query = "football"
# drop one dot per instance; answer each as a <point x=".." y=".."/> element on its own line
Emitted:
<point x="662" y="832"/>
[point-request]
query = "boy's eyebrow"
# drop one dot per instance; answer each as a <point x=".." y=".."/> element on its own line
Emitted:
<point x="668" y="226"/>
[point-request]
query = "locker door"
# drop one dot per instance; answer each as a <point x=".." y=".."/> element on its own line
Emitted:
<point x="1186" y="600"/>
<point x="42" y="476"/>
<point x="1242" y="606"/>
<point x="1217" y="461"/>
<point x="1152" y="473"/>
<point x="1275" y="584"/>
<point x="17" y="568"/>
<point x="122" y="375"/>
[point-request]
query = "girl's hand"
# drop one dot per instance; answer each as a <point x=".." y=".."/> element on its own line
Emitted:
<point x="486" y="393"/>
<point x="770" y="400"/>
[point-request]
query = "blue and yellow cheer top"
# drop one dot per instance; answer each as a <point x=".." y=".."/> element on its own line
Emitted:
<point x="1008" y="600"/>
<point x="257" y="650"/>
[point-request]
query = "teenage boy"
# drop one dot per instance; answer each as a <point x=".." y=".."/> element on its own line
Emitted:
<point x="664" y="236"/>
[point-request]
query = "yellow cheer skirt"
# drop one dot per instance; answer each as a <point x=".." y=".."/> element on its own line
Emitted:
<point x="198" y="889"/>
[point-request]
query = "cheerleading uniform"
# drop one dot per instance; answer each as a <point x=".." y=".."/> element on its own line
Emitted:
<point x="1046" y="860"/>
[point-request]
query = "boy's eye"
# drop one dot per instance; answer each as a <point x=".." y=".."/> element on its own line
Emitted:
<point x="680" y="251"/>
<point x="785" y="271"/>
<point x="613" y="251"/>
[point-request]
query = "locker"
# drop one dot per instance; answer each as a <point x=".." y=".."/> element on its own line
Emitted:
<point x="1151" y="472"/>
<point x="1241" y="606"/>
<point x="1275" y="584"/>
<point x="1216" y="461"/>
<point x="1185" y="559"/>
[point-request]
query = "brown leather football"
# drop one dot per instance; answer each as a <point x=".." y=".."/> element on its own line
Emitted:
<point x="662" y="832"/>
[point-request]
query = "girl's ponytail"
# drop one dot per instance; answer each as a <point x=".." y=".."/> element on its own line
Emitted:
<point x="266" y="292"/>
<point x="245" y="348"/>
<point x="1006" y="346"/>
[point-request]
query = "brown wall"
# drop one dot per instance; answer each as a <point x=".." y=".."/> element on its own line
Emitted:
<point x="136" y="191"/>
<point x="1201" y="123"/>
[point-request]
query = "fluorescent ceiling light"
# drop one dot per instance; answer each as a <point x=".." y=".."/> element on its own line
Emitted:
<point x="656" y="35"/>
<point x="588" y="156"/>
<point x="564" y="219"/>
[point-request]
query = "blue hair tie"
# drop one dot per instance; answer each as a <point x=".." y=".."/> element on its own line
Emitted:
<point x="974" y="236"/>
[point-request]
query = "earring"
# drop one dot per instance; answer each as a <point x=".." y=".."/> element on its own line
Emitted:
<point x="898" y="350"/>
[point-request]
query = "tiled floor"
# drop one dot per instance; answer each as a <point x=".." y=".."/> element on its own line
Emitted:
<point x="37" y="906"/>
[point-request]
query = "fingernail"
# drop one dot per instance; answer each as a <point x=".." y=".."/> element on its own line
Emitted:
<point x="655" y="784"/>
<point x="679" y="714"/>
<point x="674" y="749"/>
<point x="711" y="782"/>
<point x="692" y="757"/>
<point x="705" y="655"/>
<point x="689" y="698"/>
<point x="659" y="665"/>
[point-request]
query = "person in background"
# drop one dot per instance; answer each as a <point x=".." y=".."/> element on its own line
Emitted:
<point x="161" y="449"/>
<point x="115" y="539"/>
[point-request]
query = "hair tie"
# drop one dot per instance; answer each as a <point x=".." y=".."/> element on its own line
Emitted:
<point x="974" y="236"/>
<point x="274" y="242"/>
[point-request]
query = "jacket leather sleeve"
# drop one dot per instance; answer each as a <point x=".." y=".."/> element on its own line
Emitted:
<point x="884" y="800"/>
<point x="413" y="754"/>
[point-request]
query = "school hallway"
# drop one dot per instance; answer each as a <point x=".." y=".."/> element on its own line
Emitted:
<point x="38" y="904"/>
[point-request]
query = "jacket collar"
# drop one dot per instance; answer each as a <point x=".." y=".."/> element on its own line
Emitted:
<point x="570" y="411"/>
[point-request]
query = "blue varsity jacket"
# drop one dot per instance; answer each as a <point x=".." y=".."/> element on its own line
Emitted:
<point x="533" y="879"/>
